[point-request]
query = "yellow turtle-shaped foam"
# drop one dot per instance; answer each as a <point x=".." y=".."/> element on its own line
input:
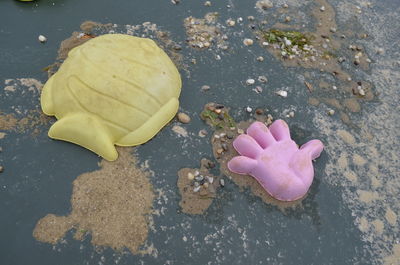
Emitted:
<point x="113" y="89"/>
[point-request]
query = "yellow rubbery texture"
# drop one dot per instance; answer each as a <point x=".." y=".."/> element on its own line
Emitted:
<point x="112" y="90"/>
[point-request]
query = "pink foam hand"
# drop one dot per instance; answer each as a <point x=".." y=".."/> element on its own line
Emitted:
<point x="275" y="161"/>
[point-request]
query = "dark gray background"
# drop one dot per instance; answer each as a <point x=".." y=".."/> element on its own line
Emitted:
<point x="39" y="172"/>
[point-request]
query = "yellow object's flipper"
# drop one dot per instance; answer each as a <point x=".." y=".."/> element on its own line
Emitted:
<point x="45" y="98"/>
<point x="85" y="130"/>
<point x="152" y="126"/>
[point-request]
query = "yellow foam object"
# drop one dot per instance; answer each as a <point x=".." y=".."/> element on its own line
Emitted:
<point x="114" y="89"/>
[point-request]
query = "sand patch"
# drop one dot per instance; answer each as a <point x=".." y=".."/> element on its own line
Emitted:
<point x="195" y="199"/>
<point x="113" y="204"/>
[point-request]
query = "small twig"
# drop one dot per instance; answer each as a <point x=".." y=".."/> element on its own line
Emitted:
<point x="309" y="86"/>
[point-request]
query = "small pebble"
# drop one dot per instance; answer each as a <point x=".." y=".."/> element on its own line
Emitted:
<point x="199" y="178"/>
<point x="322" y="8"/>
<point x="282" y="93"/>
<point x="250" y="82"/>
<point x="288" y="19"/>
<point x="190" y="176"/>
<point x="220" y="151"/>
<point x="177" y="47"/>
<point x="265" y="43"/>
<point x="249" y="109"/>
<point x="259" y="111"/>
<point x="42" y="38"/>
<point x="196" y="189"/>
<point x="231" y="22"/>
<point x="210" y="179"/>
<point x="333" y="30"/>
<point x="229" y="135"/>
<point x="334" y="87"/>
<point x="240" y="131"/>
<point x="331" y="112"/>
<point x="196" y="184"/>
<point x="202" y="133"/>
<point x="183" y="117"/>
<point x="222" y="182"/>
<point x="175" y="2"/>
<point x="260" y="58"/>
<point x="205" y="88"/>
<point x="265" y="4"/>
<point x="258" y="89"/>
<point x="285" y="6"/>
<point x="262" y="79"/>
<point x="380" y="51"/>
<point x="210" y="164"/>
<point x="1" y="169"/>
<point x="291" y="114"/>
<point x="361" y="91"/>
<point x="250" y="18"/>
<point x="248" y="42"/>
<point x="225" y="147"/>
<point x="196" y="173"/>
<point x="341" y="59"/>
<point x="207" y="3"/>
<point x="205" y="185"/>
<point x="240" y="19"/>
<point x="287" y="42"/>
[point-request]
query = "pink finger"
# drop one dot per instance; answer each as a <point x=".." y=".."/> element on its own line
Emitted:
<point x="242" y="164"/>
<point x="247" y="146"/>
<point x="261" y="134"/>
<point x="313" y="147"/>
<point x="280" y="130"/>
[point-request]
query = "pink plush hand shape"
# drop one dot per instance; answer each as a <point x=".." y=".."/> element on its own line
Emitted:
<point x="275" y="161"/>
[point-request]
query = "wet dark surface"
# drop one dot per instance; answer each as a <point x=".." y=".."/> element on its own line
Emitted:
<point x="39" y="172"/>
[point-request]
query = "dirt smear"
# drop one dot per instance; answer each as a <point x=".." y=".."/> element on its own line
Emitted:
<point x="364" y="160"/>
<point x="19" y="118"/>
<point x="204" y="33"/>
<point x="113" y="204"/>
<point x="344" y="91"/>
